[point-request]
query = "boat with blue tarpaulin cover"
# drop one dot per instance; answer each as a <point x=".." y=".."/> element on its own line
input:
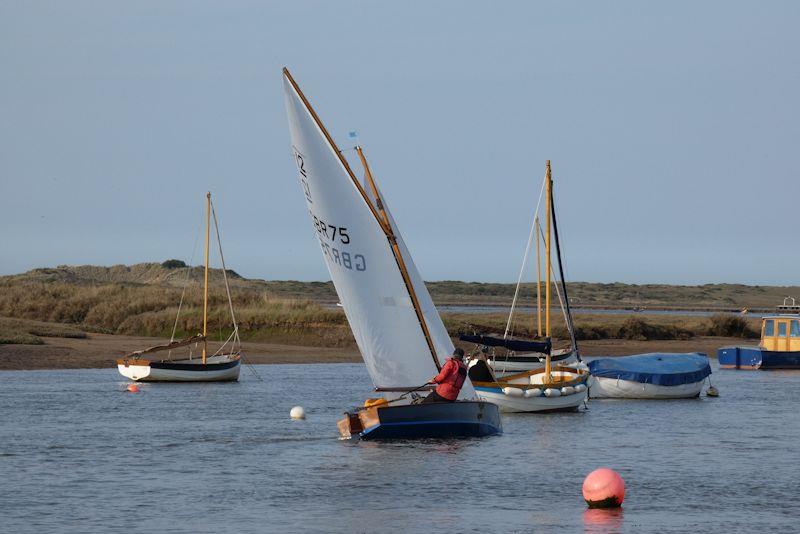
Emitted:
<point x="656" y="375"/>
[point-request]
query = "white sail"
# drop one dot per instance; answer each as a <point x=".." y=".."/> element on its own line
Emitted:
<point x="361" y="261"/>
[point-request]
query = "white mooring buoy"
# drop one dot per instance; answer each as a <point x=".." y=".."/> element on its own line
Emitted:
<point x="297" y="413"/>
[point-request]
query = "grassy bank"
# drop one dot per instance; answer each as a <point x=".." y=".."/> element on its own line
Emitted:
<point x="26" y="332"/>
<point x="640" y="327"/>
<point x="143" y="300"/>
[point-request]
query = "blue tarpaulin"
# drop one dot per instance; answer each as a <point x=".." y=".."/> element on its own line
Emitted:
<point x="658" y="368"/>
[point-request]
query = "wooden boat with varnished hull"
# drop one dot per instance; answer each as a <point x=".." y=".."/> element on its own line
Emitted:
<point x="396" y="326"/>
<point x="415" y="421"/>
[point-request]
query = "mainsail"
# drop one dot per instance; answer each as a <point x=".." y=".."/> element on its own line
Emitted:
<point x="357" y="247"/>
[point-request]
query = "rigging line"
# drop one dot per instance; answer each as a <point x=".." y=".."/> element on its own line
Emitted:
<point x="219" y="350"/>
<point x="185" y="285"/>
<point x="225" y="274"/>
<point x="524" y="262"/>
<point x="519" y="280"/>
<point x="563" y="282"/>
<point x="251" y="367"/>
<point x="561" y="302"/>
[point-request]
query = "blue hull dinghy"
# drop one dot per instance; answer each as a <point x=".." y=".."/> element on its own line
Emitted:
<point x="461" y="419"/>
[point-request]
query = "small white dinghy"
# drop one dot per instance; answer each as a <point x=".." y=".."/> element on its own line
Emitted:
<point x="649" y="376"/>
<point x="221" y="366"/>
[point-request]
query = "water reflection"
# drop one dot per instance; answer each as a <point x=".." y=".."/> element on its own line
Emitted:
<point x="601" y="521"/>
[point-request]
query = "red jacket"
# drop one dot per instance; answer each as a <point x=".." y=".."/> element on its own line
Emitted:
<point x="451" y="378"/>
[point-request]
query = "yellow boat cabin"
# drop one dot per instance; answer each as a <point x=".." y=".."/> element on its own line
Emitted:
<point x="781" y="333"/>
<point x="779" y="347"/>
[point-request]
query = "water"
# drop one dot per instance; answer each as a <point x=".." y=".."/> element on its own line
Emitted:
<point x="78" y="454"/>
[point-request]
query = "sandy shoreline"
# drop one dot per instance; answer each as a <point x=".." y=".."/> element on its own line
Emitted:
<point x="101" y="350"/>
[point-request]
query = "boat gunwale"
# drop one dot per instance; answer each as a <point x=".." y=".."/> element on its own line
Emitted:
<point x="176" y="365"/>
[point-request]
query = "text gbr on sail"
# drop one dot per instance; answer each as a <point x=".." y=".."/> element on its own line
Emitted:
<point x="337" y="235"/>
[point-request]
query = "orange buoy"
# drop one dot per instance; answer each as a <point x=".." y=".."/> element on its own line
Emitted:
<point x="604" y="488"/>
<point x="133" y="388"/>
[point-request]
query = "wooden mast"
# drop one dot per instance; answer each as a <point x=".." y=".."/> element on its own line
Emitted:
<point x="335" y="148"/>
<point x="205" y="277"/>
<point x="548" y="194"/>
<point x="538" y="280"/>
<point x="399" y="257"/>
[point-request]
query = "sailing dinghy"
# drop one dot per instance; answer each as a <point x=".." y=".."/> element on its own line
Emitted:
<point x="542" y="389"/>
<point x="395" y="324"/>
<point x="222" y="366"/>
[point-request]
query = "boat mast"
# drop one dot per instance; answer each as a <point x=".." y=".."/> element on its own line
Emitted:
<point x="548" y="193"/>
<point x="401" y="264"/>
<point x="205" y="276"/>
<point x="538" y="280"/>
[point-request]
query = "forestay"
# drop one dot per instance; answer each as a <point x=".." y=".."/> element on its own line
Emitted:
<point x="361" y="261"/>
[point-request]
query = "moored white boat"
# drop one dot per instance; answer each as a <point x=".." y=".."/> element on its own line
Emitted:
<point x="649" y="376"/>
<point x="544" y="388"/>
<point x="614" y="388"/>
<point x="532" y="391"/>
<point x="222" y="366"/>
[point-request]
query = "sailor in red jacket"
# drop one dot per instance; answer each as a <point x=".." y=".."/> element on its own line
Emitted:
<point x="449" y="380"/>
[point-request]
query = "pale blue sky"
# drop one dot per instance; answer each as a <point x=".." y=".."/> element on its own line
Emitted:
<point x="672" y="127"/>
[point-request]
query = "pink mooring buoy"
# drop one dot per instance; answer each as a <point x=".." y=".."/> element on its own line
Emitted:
<point x="604" y="488"/>
<point x="133" y="388"/>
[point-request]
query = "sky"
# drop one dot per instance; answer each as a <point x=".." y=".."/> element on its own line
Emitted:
<point x="672" y="128"/>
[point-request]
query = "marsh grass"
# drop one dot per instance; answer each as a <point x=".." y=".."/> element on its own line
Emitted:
<point x="27" y="332"/>
<point x="601" y="326"/>
<point x="142" y="299"/>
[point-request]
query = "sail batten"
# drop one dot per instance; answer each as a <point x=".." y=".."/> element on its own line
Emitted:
<point x="383" y="296"/>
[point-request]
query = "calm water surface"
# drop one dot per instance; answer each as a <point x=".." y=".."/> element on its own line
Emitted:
<point x="79" y="454"/>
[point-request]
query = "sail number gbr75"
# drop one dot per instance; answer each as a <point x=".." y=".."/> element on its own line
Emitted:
<point x="331" y="236"/>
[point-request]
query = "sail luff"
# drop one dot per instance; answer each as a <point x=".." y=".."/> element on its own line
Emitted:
<point x="335" y="149"/>
<point x="399" y="257"/>
<point x="353" y="237"/>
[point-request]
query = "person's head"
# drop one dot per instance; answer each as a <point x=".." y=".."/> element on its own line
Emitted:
<point x="458" y="354"/>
